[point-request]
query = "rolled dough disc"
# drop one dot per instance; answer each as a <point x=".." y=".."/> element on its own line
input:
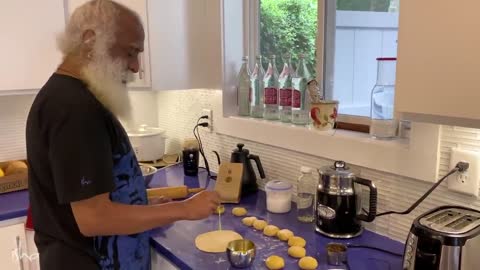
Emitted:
<point x="216" y="241"/>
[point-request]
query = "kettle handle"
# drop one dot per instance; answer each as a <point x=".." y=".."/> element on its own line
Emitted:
<point x="259" y="165"/>
<point x="372" y="211"/>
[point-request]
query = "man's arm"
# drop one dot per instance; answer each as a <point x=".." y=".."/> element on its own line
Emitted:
<point x="100" y="216"/>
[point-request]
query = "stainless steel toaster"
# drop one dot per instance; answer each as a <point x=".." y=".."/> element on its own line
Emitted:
<point x="445" y="238"/>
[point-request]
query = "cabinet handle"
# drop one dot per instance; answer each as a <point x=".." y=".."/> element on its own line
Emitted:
<point x="19" y="253"/>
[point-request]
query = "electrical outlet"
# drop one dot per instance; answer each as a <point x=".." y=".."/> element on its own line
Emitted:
<point x="210" y="118"/>
<point x="468" y="181"/>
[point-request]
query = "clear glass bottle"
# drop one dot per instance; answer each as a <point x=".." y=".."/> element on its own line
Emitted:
<point x="286" y="90"/>
<point x="244" y="88"/>
<point x="271" y="91"/>
<point x="383" y="122"/>
<point x="306" y="191"/>
<point x="300" y="98"/>
<point x="256" y="103"/>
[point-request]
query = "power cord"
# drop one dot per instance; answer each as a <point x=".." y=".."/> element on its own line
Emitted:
<point x="460" y="167"/>
<point x="196" y="133"/>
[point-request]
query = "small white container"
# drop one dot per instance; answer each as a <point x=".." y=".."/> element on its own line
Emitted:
<point x="279" y="196"/>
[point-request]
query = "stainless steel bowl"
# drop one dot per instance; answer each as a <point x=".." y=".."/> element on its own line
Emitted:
<point x="241" y="253"/>
<point x="336" y="254"/>
<point x="147" y="172"/>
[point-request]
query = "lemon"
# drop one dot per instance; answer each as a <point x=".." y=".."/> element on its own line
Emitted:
<point x="2" y="174"/>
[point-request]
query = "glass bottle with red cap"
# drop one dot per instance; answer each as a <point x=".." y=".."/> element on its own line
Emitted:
<point x="383" y="122"/>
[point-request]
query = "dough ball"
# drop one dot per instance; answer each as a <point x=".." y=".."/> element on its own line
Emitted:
<point x="239" y="211"/>
<point x="270" y="230"/>
<point x="259" y="225"/>
<point x="216" y="241"/>
<point x="297" y="252"/>
<point x="296" y="241"/>
<point x="275" y="262"/>
<point x="249" y="221"/>
<point x="308" y="263"/>
<point x="284" y="234"/>
<point x="220" y="210"/>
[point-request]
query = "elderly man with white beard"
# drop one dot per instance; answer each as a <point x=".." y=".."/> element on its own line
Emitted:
<point x="87" y="194"/>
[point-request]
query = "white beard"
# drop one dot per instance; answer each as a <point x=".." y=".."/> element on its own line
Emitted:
<point x="106" y="78"/>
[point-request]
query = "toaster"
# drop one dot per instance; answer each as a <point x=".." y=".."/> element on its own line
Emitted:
<point x="445" y="238"/>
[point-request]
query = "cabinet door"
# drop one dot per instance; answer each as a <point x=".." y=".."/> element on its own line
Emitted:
<point x="13" y="248"/>
<point x="143" y="77"/>
<point x="34" y="260"/>
<point x="185" y="42"/>
<point x="438" y="62"/>
<point x="28" y="40"/>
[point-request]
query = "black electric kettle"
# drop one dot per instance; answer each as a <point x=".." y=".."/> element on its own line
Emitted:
<point x="339" y="211"/>
<point x="249" y="178"/>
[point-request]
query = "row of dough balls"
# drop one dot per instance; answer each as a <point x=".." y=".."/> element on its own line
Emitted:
<point x="296" y="244"/>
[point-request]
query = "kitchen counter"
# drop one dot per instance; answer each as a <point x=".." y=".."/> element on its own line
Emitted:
<point x="13" y="204"/>
<point x="176" y="242"/>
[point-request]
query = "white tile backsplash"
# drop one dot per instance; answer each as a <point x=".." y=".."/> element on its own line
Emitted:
<point x="14" y="111"/>
<point x="177" y="111"/>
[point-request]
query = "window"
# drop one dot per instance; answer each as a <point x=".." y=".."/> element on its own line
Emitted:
<point x="355" y="32"/>
<point x="289" y="26"/>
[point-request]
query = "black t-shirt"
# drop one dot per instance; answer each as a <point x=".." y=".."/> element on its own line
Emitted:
<point x="77" y="149"/>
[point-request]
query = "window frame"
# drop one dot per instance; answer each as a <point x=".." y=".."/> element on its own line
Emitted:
<point x="417" y="158"/>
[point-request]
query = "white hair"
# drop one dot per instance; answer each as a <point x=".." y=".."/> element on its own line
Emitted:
<point x="100" y="16"/>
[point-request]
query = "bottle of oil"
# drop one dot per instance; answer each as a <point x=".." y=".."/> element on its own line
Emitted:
<point x="306" y="190"/>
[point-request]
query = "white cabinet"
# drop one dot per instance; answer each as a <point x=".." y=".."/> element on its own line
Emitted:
<point x="185" y="42"/>
<point x="143" y="77"/>
<point x="13" y="248"/>
<point x="28" y="43"/>
<point x="34" y="259"/>
<point x="160" y="262"/>
<point x="438" y="62"/>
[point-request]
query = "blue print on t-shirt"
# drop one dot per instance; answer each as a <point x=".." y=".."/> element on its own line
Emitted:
<point x="125" y="252"/>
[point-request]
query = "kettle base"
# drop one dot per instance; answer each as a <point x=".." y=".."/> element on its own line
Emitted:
<point x="339" y="236"/>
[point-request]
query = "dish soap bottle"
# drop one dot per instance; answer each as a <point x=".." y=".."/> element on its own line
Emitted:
<point x="306" y="190"/>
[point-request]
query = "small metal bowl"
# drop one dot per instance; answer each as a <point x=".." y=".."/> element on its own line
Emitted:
<point x="241" y="253"/>
<point x="148" y="172"/>
<point x="336" y="254"/>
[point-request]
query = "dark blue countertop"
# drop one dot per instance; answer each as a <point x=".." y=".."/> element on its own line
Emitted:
<point x="13" y="204"/>
<point x="176" y="242"/>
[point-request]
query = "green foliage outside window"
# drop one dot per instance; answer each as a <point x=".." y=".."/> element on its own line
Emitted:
<point x="290" y="26"/>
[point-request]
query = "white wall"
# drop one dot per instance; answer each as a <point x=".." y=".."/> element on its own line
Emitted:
<point x="179" y="110"/>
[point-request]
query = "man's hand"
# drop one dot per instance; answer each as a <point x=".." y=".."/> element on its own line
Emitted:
<point x="202" y="205"/>
<point x="158" y="200"/>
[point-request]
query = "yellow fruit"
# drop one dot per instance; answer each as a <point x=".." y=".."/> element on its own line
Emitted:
<point x="15" y="167"/>
<point x="2" y="174"/>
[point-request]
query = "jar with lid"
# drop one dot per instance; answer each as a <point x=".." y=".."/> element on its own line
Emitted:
<point x="306" y="190"/>
<point x="383" y="122"/>
<point x="279" y="196"/>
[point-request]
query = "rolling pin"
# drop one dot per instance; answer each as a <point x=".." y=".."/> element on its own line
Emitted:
<point x="172" y="192"/>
